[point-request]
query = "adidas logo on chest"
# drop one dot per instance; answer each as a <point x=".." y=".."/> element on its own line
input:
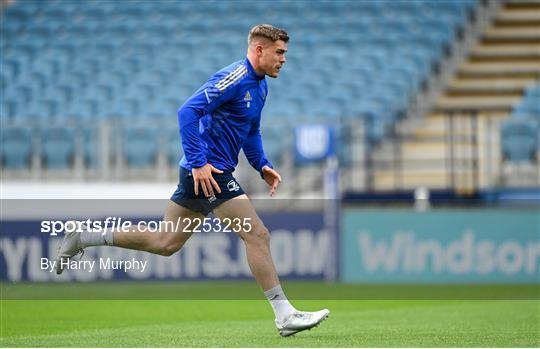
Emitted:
<point x="247" y="98"/>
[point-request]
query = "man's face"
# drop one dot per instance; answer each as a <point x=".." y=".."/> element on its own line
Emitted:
<point x="273" y="57"/>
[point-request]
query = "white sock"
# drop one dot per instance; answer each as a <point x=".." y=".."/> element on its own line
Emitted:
<point x="90" y="238"/>
<point x="280" y="304"/>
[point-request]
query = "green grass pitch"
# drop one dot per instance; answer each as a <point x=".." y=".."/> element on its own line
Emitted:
<point x="249" y="323"/>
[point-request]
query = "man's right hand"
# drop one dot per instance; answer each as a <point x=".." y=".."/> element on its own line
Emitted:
<point x="203" y="176"/>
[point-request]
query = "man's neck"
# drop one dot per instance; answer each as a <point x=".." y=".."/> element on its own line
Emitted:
<point x="254" y="63"/>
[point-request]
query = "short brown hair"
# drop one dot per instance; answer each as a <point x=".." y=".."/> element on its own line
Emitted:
<point x="269" y="32"/>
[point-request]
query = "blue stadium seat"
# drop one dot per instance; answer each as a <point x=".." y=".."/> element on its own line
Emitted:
<point x="173" y="147"/>
<point x="140" y="146"/>
<point x="58" y="147"/>
<point x="16" y="148"/>
<point x="275" y="142"/>
<point x="520" y="140"/>
<point x="91" y="143"/>
<point x="533" y="92"/>
<point x="529" y="106"/>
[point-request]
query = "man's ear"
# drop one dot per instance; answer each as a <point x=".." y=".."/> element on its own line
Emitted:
<point x="259" y="49"/>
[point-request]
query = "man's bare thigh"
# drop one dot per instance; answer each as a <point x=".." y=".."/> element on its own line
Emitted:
<point x="240" y="208"/>
<point x="177" y="218"/>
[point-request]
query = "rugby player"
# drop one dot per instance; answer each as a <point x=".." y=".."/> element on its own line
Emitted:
<point x="216" y="122"/>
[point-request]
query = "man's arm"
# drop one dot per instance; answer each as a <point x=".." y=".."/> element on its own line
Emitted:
<point x="203" y="102"/>
<point x="188" y="120"/>
<point x="253" y="149"/>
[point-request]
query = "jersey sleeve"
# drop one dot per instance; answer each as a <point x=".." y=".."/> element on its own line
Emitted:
<point x="207" y="98"/>
<point x="253" y="149"/>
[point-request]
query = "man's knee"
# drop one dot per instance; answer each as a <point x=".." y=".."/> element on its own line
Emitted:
<point x="258" y="235"/>
<point x="167" y="247"/>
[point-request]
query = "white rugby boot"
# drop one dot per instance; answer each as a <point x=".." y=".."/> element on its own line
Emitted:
<point x="69" y="247"/>
<point x="300" y="321"/>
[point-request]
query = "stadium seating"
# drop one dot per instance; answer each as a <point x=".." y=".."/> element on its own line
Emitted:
<point x="174" y="149"/>
<point x="140" y="146"/>
<point x="16" y="148"/>
<point x="74" y="63"/>
<point x="58" y="147"/>
<point x="529" y="107"/>
<point x="90" y="141"/>
<point x="521" y="134"/>
<point x="519" y="140"/>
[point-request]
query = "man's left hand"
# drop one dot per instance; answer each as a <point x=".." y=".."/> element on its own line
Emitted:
<point x="272" y="178"/>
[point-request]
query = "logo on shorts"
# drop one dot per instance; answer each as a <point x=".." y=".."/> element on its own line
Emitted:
<point x="233" y="186"/>
<point x="212" y="198"/>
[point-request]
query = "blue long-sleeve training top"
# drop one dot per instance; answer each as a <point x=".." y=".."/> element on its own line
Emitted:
<point x="222" y="117"/>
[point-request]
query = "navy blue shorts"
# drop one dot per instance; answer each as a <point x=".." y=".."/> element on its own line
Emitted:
<point x="185" y="192"/>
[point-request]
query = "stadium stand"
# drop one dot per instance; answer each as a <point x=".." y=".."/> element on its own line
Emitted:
<point x="16" y="147"/>
<point x="520" y="140"/>
<point x="79" y="62"/>
<point x="520" y="135"/>
<point x="529" y="107"/>
<point x="127" y="65"/>
<point x="140" y="146"/>
<point x="457" y="144"/>
<point x="58" y="147"/>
